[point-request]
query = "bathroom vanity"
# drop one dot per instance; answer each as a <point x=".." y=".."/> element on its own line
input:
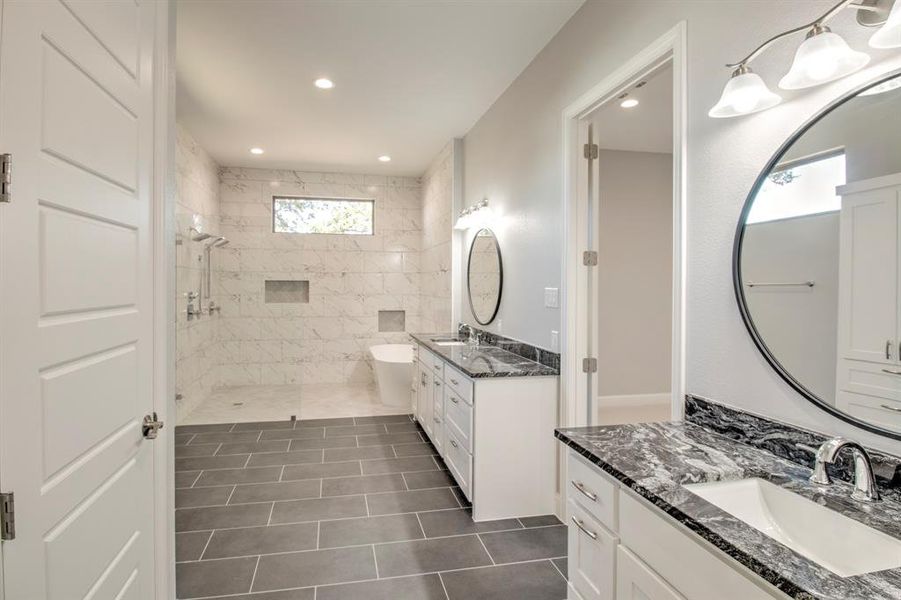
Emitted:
<point x="491" y="414"/>
<point x="677" y="511"/>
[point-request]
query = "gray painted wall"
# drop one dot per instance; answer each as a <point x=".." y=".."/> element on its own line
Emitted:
<point x="514" y="156"/>
<point x="635" y="236"/>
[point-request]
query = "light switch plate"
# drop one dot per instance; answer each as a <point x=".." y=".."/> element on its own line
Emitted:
<point x="552" y="297"/>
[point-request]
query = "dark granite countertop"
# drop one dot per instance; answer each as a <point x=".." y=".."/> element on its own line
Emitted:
<point x="483" y="361"/>
<point x="656" y="459"/>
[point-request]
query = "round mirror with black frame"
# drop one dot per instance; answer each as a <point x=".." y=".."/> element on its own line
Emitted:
<point x="817" y="259"/>
<point x="484" y="276"/>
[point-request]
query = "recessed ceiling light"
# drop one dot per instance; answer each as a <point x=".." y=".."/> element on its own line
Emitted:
<point x="629" y="103"/>
<point x="324" y="84"/>
<point x="256" y="150"/>
<point x="384" y="158"/>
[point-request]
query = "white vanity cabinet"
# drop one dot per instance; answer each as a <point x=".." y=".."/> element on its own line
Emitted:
<point x="495" y="434"/>
<point x="623" y="548"/>
<point x="868" y="380"/>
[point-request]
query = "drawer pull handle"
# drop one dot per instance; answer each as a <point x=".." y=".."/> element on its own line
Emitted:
<point x="436" y="419"/>
<point x="586" y="493"/>
<point x="454" y="400"/>
<point x="587" y="532"/>
<point x="890" y="372"/>
<point x="454" y="381"/>
<point x="892" y="408"/>
<point x="454" y="444"/>
<point x="437" y="384"/>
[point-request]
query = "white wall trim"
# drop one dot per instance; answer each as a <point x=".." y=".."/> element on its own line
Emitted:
<point x="163" y="232"/>
<point x="670" y="46"/>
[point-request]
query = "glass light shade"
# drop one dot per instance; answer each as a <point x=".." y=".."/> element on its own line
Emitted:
<point x="745" y="93"/>
<point x="463" y="222"/>
<point x="889" y="35"/>
<point x="824" y="56"/>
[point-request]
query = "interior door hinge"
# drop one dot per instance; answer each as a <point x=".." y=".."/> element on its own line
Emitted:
<point x="7" y="516"/>
<point x="6" y="178"/>
<point x="590" y="151"/>
<point x="589" y="365"/>
<point x="590" y="258"/>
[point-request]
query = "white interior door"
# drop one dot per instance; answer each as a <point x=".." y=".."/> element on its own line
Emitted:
<point x="76" y="114"/>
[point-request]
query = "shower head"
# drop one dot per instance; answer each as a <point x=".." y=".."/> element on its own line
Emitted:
<point x="198" y="236"/>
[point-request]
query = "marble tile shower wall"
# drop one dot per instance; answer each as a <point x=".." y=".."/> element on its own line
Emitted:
<point x="351" y="278"/>
<point x="437" y="231"/>
<point x="197" y="204"/>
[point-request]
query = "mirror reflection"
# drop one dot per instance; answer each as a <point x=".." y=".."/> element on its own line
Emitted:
<point x="485" y="276"/>
<point x="819" y="262"/>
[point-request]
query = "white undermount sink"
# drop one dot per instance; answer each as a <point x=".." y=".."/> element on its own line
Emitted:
<point x="828" y="538"/>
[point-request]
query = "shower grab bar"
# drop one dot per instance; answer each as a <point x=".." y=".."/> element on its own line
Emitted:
<point x="809" y="284"/>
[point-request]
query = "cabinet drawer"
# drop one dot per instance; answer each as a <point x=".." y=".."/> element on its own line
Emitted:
<point x="871" y="379"/>
<point x="458" y="382"/>
<point x="665" y="545"/>
<point x="636" y="581"/>
<point x="458" y="417"/>
<point x="878" y="411"/>
<point x="434" y="362"/>
<point x="459" y="461"/>
<point x="589" y="489"/>
<point x="592" y="552"/>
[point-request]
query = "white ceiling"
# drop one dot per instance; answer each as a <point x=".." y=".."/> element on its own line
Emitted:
<point x="647" y="127"/>
<point x="409" y="76"/>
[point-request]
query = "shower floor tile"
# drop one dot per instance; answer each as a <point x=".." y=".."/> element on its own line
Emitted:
<point x="269" y="406"/>
<point x="402" y="532"/>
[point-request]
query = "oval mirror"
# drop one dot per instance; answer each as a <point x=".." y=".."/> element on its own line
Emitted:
<point x="817" y="259"/>
<point x="485" y="276"/>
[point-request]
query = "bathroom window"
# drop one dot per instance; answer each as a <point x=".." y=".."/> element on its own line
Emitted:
<point x="350" y="216"/>
<point x="801" y="188"/>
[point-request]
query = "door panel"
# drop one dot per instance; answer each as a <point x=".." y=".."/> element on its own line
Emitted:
<point x="635" y="581"/>
<point x="868" y="273"/>
<point x="76" y="113"/>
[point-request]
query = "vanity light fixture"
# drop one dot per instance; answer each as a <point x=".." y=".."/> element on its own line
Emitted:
<point x="629" y="103"/>
<point x="745" y="93"/>
<point x="323" y="83"/>
<point x="823" y="56"/>
<point x="889" y="35"/>
<point x="470" y="215"/>
<point x="384" y="158"/>
<point x="257" y="151"/>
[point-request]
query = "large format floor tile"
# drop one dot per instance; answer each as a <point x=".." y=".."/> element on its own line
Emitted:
<point x="352" y="508"/>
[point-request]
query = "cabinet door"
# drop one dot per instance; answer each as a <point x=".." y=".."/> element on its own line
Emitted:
<point x="592" y="552"/>
<point x="635" y="581"/>
<point x="437" y="433"/>
<point x="868" y="277"/>
<point x="424" y="411"/>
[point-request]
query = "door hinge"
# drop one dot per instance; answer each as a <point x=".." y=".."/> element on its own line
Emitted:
<point x="590" y="151"/>
<point x="590" y="258"/>
<point x="7" y="516"/>
<point x="589" y="365"/>
<point x="6" y="177"/>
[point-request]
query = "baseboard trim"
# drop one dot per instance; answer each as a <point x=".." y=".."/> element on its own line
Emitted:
<point x="627" y="400"/>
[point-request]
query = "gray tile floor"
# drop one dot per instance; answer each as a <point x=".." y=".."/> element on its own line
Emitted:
<point x="344" y="509"/>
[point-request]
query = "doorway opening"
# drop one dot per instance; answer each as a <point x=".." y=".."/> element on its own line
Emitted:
<point x="624" y="280"/>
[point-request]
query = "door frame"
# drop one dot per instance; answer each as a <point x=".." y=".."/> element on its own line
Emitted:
<point x="163" y="232"/>
<point x="671" y="46"/>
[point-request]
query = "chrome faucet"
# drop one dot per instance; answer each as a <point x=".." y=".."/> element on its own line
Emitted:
<point x="865" y="488"/>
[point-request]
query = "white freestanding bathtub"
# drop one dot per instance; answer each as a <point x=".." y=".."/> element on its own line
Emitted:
<point x="394" y="373"/>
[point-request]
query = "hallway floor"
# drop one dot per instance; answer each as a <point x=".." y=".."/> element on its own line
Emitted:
<point x="355" y="508"/>
<point x="240" y="404"/>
